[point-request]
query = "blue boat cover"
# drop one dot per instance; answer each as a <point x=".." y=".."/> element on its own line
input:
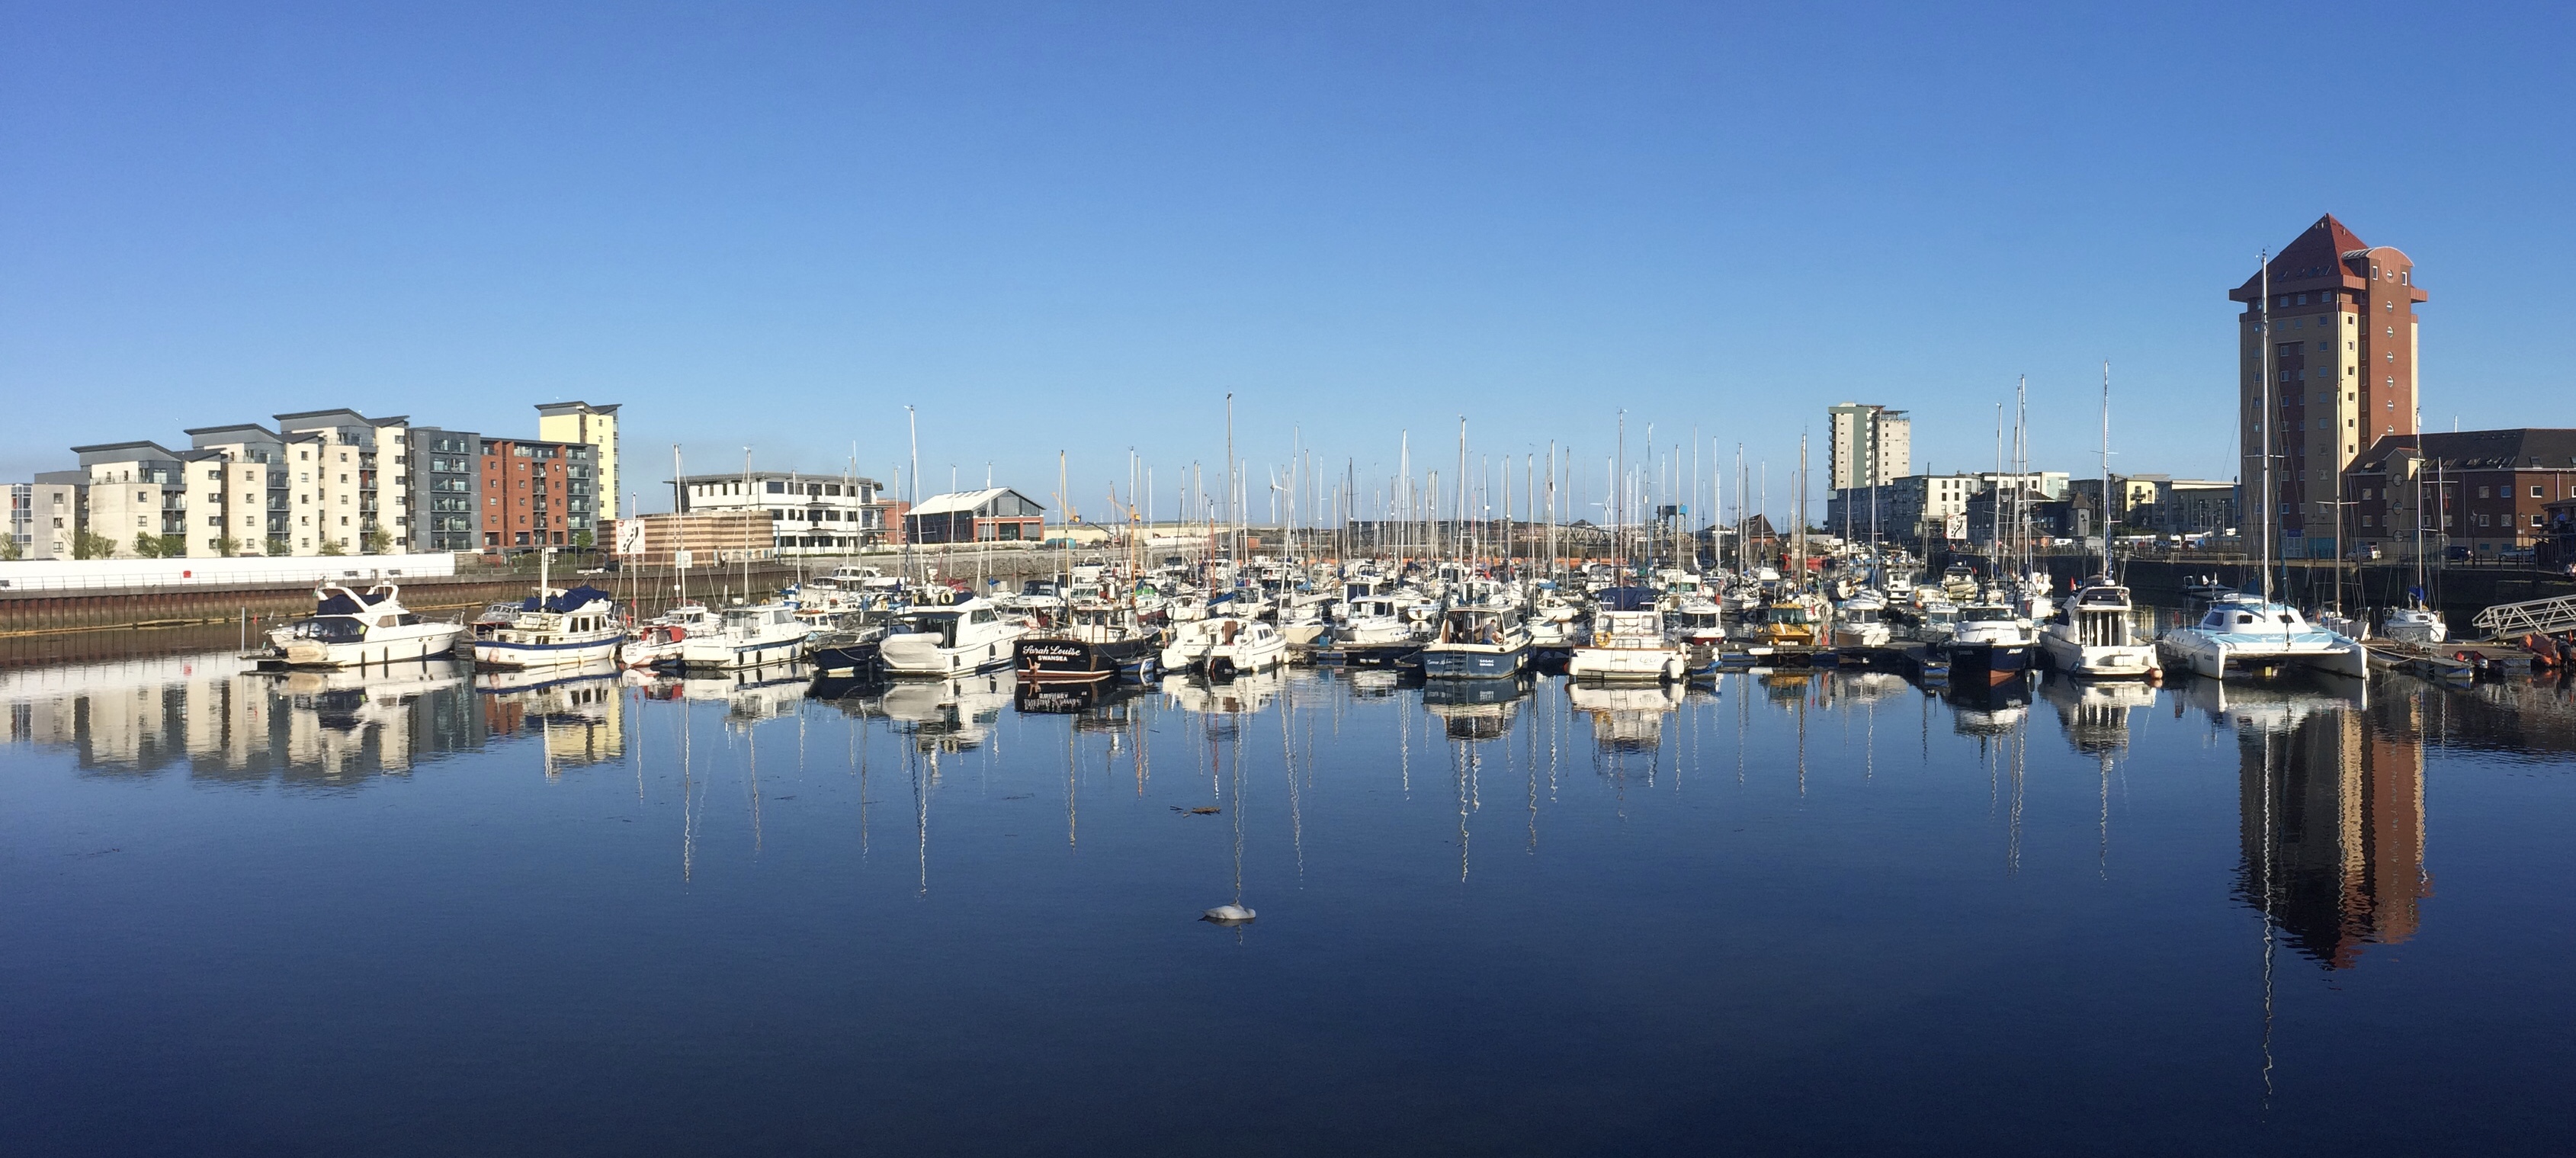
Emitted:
<point x="338" y="604"/>
<point x="1627" y="599"/>
<point x="572" y="600"/>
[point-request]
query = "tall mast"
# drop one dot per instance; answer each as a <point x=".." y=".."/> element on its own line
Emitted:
<point x="2104" y="515"/>
<point x="2263" y="360"/>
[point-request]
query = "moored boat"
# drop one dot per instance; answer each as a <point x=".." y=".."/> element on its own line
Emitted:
<point x="351" y="628"/>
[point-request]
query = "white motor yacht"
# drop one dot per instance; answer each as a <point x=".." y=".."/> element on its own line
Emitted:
<point x="1858" y="622"/>
<point x="658" y="643"/>
<point x="748" y="636"/>
<point x="350" y="628"/>
<point x="1223" y="645"/>
<point x="1628" y="641"/>
<point x="965" y="637"/>
<point x="2247" y="634"/>
<point x="1990" y="640"/>
<point x="2094" y="634"/>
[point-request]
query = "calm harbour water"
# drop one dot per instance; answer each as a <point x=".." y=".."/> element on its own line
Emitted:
<point x="412" y="913"/>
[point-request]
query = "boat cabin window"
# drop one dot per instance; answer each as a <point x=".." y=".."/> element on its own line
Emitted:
<point x="982" y="615"/>
<point x="1986" y="615"/>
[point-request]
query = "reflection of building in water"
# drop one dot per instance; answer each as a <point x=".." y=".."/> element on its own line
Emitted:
<point x="1626" y="717"/>
<point x="2332" y="818"/>
<point x="577" y="713"/>
<point x="141" y="716"/>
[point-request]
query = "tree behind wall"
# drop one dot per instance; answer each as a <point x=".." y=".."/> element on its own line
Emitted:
<point x="88" y="545"/>
<point x="378" y="541"/>
<point x="147" y="545"/>
<point x="333" y="547"/>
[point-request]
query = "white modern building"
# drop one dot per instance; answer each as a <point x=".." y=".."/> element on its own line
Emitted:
<point x="1868" y="445"/>
<point x="809" y="514"/>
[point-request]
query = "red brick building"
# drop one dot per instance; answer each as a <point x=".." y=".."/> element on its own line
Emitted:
<point x="537" y="494"/>
<point x="2486" y="490"/>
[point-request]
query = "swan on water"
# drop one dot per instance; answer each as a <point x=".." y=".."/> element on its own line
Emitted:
<point x="1227" y="914"/>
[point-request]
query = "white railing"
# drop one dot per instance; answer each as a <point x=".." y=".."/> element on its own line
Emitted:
<point x="2547" y="616"/>
<point x="300" y="570"/>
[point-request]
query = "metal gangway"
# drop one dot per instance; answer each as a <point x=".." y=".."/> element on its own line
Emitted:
<point x="2546" y="616"/>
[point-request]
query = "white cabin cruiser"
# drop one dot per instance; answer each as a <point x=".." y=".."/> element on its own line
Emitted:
<point x="2246" y="634"/>
<point x="966" y="637"/>
<point x="659" y="643"/>
<point x="1223" y="645"/>
<point x="748" y="636"/>
<point x="1858" y="622"/>
<point x="1628" y="641"/>
<point x="350" y="628"/>
<point x="2094" y="634"/>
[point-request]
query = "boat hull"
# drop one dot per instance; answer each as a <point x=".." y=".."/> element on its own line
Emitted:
<point x="2098" y="661"/>
<point x="845" y="661"/>
<point x="718" y="653"/>
<point x="1081" y="661"/>
<point x="1626" y="664"/>
<point x="384" y="645"/>
<point x="501" y="654"/>
<point x="942" y="662"/>
<point x="1442" y="661"/>
<point x="1992" y="662"/>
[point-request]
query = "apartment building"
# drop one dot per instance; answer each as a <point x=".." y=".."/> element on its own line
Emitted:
<point x="596" y="425"/>
<point x="446" y="484"/>
<point x="351" y="491"/>
<point x="537" y="493"/>
<point x="1867" y="446"/>
<point x="2327" y="368"/>
<point x="46" y="514"/>
<point x="2487" y="490"/>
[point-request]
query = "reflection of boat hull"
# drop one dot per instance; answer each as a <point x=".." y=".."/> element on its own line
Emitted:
<point x="1059" y="660"/>
<point x="1473" y="661"/>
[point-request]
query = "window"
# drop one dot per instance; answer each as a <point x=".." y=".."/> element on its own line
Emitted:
<point x="2535" y="520"/>
<point x="2482" y="492"/>
<point x="2536" y="493"/>
<point x="777" y="488"/>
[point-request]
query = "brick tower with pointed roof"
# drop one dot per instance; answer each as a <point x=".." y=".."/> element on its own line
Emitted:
<point x="2342" y="368"/>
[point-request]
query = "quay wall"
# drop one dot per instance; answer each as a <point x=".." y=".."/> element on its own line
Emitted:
<point x="261" y="599"/>
<point x="2459" y="593"/>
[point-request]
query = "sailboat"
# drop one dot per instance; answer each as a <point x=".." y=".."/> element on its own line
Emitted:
<point x="2093" y="632"/>
<point x="2252" y="634"/>
<point x="2417" y="623"/>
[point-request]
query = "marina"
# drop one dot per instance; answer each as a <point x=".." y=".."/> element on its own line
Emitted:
<point x="2265" y="908"/>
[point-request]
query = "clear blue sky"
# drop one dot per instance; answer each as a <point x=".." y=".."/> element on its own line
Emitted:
<point x="1078" y="226"/>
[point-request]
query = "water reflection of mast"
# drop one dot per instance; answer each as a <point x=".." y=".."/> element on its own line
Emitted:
<point x="2267" y="918"/>
<point x="1288" y="764"/>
